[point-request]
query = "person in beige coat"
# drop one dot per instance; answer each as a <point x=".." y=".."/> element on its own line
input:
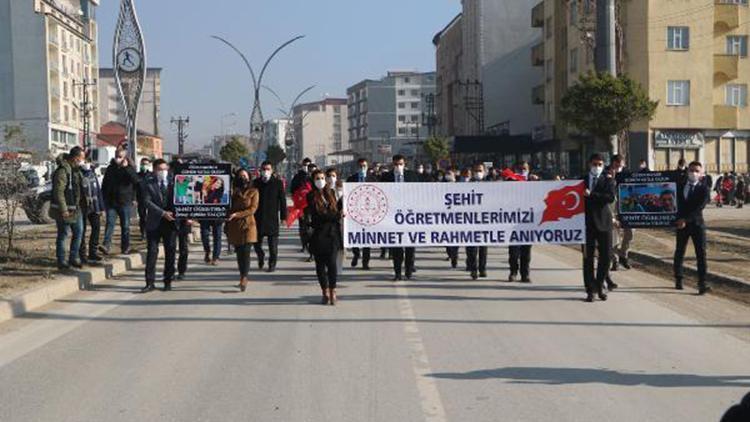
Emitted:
<point x="241" y="230"/>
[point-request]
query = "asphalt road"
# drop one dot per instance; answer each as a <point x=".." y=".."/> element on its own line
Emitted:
<point x="440" y="348"/>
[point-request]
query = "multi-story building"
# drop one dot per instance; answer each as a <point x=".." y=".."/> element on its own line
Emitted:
<point x="48" y="55"/>
<point x="275" y="133"/>
<point x="391" y="114"/>
<point x="111" y="108"/>
<point x="452" y="116"/>
<point x="320" y="131"/>
<point x="691" y="56"/>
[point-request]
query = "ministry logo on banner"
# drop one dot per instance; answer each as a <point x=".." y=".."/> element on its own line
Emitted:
<point x="464" y="214"/>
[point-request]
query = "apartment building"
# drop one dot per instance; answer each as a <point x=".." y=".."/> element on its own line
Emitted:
<point x="111" y="108"/>
<point x="691" y="56"/>
<point x="48" y="50"/>
<point x="320" y="129"/>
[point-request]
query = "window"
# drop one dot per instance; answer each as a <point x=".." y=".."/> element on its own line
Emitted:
<point x="401" y="92"/>
<point x="736" y="95"/>
<point x="737" y="45"/>
<point x="414" y="118"/>
<point x="415" y="105"/>
<point x="414" y="131"/>
<point x="401" y="105"/>
<point x="678" y="38"/>
<point x="402" y="131"/>
<point x="415" y="93"/>
<point x="574" y="60"/>
<point x="573" y="12"/>
<point x="402" y="118"/>
<point x="678" y="93"/>
<point x="407" y="80"/>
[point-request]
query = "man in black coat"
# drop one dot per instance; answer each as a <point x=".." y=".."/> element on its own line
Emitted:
<point x="599" y="196"/>
<point x="144" y="170"/>
<point x="119" y="188"/>
<point x="476" y="256"/>
<point x="692" y="197"/>
<point x="399" y="174"/>
<point x="362" y="176"/>
<point x="271" y="209"/>
<point x="161" y="225"/>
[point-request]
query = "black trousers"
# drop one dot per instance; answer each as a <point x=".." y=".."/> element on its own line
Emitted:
<point x="520" y="259"/>
<point x="601" y="242"/>
<point x="326" y="270"/>
<point x="166" y="234"/>
<point x="476" y="257"/>
<point x="304" y="238"/>
<point x="364" y="253"/>
<point x="698" y="235"/>
<point x="273" y="249"/>
<point x="399" y="255"/>
<point x="184" y="246"/>
<point x="452" y="252"/>
<point x="243" y="258"/>
<point x="94" y="221"/>
<point x="142" y="218"/>
<point x="208" y="229"/>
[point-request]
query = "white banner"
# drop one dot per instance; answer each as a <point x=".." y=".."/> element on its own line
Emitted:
<point x="463" y="214"/>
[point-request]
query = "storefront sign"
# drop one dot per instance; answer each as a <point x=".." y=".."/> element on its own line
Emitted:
<point x="678" y="139"/>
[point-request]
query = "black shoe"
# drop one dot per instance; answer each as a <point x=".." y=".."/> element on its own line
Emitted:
<point x="63" y="267"/>
<point x="474" y="275"/>
<point x="611" y="285"/>
<point x="454" y="262"/>
<point x="602" y="296"/>
<point x="414" y="270"/>
<point x="366" y="267"/>
<point x="129" y="251"/>
<point x="95" y="259"/>
<point x="525" y="279"/>
<point x="167" y="286"/>
<point x="703" y="289"/>
<point x="589" y="297"/>
<point x="625" y="264"/>
<point x="355" y="261"/>
<point x="483" y="274"/>
<point x="75" y="264"/>
<point x="309" y="259"/>
<point x="261" y="262"/>
<point x="207" y="257"/>
<point x="148" y="288"/>
<point x="103" y="250"/>
<point x="180" y="277"/>
<point x="397" y="277"/>
<point x="678" y="284"/>
<point x="271" y="268"/>
<point x="614" y="266"/>
<point x="409" y="275"/>
<point x="512" y="278"/>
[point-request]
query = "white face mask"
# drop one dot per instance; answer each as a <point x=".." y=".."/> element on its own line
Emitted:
<point x="266" y="174"/>
<point x="597" y="170"/>
<point x="363" y="170"/>
<point x="694" y="176"/>
<point x="450" y="177"/>
<point x="320" y="183"/>
<point x="480" y="176"/>
<point x="163" y="175"/>
<point x="85" y="166"/>
<point x="420" y="170"/>
<point x="331" y="181"/>
<point x="399" y="169"/>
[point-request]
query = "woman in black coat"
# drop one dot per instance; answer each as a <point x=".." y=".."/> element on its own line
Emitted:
<point x="325" y="212"/>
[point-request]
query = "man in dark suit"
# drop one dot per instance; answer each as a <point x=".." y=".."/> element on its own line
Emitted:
<point x="271" y="209"/>
<point x="401" y="175"/>
<point x="362" y="176"/>
<point x="158" y="192"/>
<point x="599" y="196"/>
<point x="476" y="256"/>
<point x="692" y="197"/>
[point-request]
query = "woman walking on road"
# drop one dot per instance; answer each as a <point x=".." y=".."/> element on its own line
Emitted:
<point x="325" y="212"/>
<point x="241" y="230"/>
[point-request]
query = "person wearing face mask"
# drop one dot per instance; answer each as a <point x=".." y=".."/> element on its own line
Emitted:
<point x="621" y="240"/>
<point x="92" y="209"/>
<point x="118" y="188"/>
<point x="161" y="224"/>
<point x="362" y="176"/>
<point x="301" y="180"/>
<point x="143" y="171"/>
<point x="643" y="166"/>
<point x="476" y="256"/>
<point x="599" y="195"/>
<point x="241" y="228"/>
<point x="692" y="198"/>
<point x="451" y="251"/>
<point x="519" y="256"/>
<point x="271" y="209"/>
<point x="325" y="213"/>
<point x="401" y="256"/>
<point x="66" y="207"/>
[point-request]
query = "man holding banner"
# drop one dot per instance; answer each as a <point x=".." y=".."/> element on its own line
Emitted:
<point x="399" y="254"/>
<point x="600" y="194"/>
<point x="361" y="176"/>
<point x="476" y="256"/>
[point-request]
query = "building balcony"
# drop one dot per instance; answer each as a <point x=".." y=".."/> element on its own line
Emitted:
<point x="53" y="39"/>
<point x="54" y="66"/>
<point x="537" y="95"/>
<point x="726" y="117"/>
<point x="54" y="92"/>
<point x="537" y="54"/>
<point x="726" y="66"/>
<point x="537" y="15"/>
<point x="728" y="15"/>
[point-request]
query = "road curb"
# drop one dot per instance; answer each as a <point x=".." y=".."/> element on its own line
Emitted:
<point x="37" y="297"/>
<point x="690" y="270"/>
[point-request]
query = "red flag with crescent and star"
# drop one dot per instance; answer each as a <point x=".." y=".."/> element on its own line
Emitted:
<point x="564" y="203"/>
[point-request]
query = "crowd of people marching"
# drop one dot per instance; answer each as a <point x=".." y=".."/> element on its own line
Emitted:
<point x="259" y="207"/>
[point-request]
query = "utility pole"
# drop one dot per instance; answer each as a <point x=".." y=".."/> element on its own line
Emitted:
<point x="86" y="108"/>
<point x="181" y="136"/>
<point x="606" y="50"/>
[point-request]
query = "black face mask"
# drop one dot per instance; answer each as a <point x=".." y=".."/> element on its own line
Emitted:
<point x="241" y="183"/>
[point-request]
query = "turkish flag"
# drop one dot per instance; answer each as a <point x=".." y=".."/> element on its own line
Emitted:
<point x="299" y="201"/>
<point x="564" y="203"/>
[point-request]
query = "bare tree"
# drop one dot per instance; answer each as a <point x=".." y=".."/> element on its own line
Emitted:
<point x="13" y="184"/>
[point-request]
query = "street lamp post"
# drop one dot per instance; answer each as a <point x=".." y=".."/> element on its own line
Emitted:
<point x="256" y="115"/>
<point x="290" y="138"/>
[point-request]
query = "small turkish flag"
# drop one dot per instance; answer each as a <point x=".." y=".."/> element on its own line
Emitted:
<point x="564" y="203"/>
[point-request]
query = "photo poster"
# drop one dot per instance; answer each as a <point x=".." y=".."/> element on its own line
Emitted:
<point x="647" y="199"/>
<point x="202" y="191"/>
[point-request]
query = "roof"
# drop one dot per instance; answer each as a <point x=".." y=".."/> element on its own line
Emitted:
<point x="436" y="38"/>
<point x="113" y="134"/>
